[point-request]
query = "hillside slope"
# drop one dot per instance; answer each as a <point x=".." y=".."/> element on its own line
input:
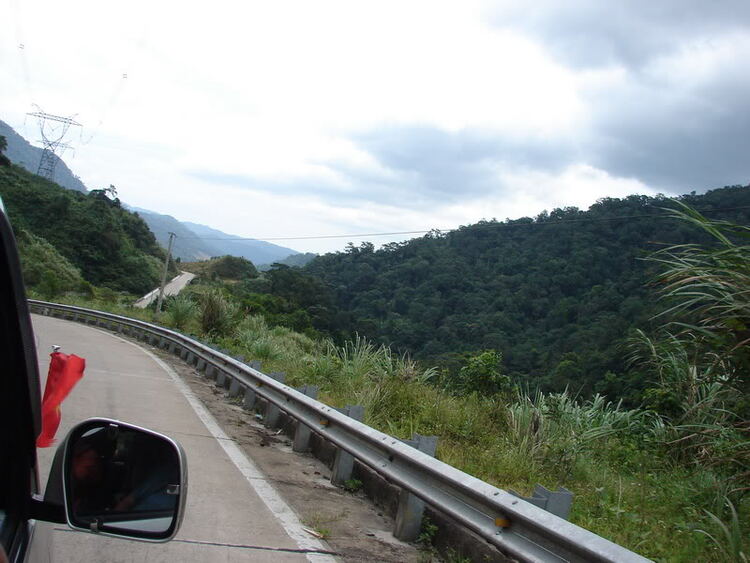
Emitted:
<point x="109" y="245"/>
<point x="556" y="295"/>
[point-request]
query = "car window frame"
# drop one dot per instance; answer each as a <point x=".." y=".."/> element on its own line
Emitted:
<point x="20" y="400"/>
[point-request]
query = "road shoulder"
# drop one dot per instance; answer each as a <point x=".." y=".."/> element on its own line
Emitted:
<point x="355" y="529"/>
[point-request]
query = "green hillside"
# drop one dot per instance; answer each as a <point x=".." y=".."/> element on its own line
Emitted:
<point x="556" y="295"/>
<point x="108" y="245"/>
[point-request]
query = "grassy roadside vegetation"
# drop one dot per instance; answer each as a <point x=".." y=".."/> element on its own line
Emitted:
<point x="668" y="479"/>
<point x="629" y="485"/>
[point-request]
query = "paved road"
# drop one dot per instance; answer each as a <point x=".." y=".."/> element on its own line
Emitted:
<point x="233" y="514"/>
<point x="174" y="287"/>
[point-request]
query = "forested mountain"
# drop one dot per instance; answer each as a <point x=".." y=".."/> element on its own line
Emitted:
<point x="108" y="245"/>
<point x="556" y="295"/>
<point x="24" y="154"/>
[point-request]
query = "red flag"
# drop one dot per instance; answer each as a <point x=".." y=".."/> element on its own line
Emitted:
<point x="64" y="372"/>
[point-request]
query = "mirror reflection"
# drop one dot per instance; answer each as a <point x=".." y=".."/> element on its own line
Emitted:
<point x="122" y="479"/>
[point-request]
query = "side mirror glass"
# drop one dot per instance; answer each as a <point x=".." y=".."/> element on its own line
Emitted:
<point x="125" y="481"/>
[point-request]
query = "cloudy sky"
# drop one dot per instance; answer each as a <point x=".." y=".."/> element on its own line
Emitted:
<point x="318" y="118"/>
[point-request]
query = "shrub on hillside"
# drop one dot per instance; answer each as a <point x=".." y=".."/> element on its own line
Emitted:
<point x="233" y="268"/>
<point x="45" y="269"/>
<point x="218" y="316"/>
<point x="181" y="311"/>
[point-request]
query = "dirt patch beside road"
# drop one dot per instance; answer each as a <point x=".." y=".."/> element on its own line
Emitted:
<point x="353" y="527"/>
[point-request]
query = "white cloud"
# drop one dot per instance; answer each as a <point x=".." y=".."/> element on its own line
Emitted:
<point x="280" y="92"/>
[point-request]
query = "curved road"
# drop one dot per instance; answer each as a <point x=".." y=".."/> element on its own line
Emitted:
<point x="233" y="513"/>
<point x="173" y="287"/>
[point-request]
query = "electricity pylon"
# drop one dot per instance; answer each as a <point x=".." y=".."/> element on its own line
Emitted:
<point x="52" y="139"/>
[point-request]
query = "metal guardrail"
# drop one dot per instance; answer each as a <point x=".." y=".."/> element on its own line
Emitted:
<point x="516" y="527"/>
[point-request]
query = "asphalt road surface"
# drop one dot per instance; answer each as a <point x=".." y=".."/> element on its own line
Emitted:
<point x="174" y="287"/>
<point x="233" y="513"/>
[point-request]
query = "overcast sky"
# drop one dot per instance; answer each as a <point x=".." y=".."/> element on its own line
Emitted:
<point x="292" y="119"/>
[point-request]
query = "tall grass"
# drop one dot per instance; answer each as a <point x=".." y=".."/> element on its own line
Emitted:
<point x="628" y="489"/>
<point x="181" y="311"/>
<point x="218" y="316"/>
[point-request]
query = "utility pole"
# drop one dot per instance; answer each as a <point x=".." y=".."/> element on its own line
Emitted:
<point x="164" y="275"/>
<point x="52" y="139"/>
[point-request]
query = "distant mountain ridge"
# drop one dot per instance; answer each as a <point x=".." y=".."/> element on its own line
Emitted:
<point x="257" y="251"/>
<point x="188" y="245"/>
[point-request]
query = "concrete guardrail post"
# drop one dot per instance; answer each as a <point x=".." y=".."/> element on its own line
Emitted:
<point x="235" y="387"/>
<point x="210" y="371"/>
<point x="201" y="365"/>
<point x="344" y="462"/>
<point x="410" y="507"/>
<point x="221" y="378"/>
<point x="302" y="433"/>
<point x="248" y="402"/>
<point x="273" y="413"/>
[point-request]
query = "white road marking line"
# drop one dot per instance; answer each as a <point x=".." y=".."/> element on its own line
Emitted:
<point x="270" y="497"/>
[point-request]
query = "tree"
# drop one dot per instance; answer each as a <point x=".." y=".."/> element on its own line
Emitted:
<point x="481" y="374"/>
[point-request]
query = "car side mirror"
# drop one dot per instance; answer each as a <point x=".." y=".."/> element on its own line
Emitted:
<point x="122" y="480"/>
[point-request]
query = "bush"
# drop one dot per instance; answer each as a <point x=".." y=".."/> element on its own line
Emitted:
<point x="218" y="316"/>
<point x="481" y="374"/>
<point x="180" y="312"/>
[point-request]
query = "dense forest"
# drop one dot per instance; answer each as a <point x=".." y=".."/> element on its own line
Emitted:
<point x="68" y="237"/>
<point x="555" y="296"/>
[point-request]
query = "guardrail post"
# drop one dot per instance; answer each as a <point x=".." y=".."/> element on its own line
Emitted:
<point x="557" y="502"/>
<point x="344" y="462"/>
<point x="302" y="433"/>
<point x="235" y="387"/>
<point x="221" y="378"/>
<point x="248" y="402"/>
<point x="410" y="507"/>
<point x="201" y="365"/>
<point x="273" y="413"/>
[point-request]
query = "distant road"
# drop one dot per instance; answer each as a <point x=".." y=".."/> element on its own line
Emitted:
<point x="172" y="288"/>
<point x="233" y="513"/>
